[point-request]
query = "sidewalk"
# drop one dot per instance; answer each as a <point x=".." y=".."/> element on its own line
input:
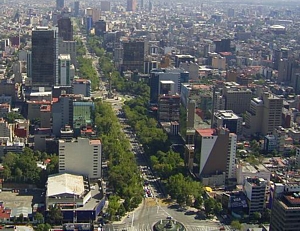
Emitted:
<point x="121" y="221"/>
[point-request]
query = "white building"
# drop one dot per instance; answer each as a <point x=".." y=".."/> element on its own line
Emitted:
<point x="80" y="156"/>
<point x="255" y="190"/>
<point x="245" y="170"/>
<point x="65" y="189"/>
<point x="64" y="73"/>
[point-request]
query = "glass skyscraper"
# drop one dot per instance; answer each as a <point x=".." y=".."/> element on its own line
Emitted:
<point x="44" y="57"/>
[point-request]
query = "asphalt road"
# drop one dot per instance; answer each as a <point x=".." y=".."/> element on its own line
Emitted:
<point x="153" y="208"/>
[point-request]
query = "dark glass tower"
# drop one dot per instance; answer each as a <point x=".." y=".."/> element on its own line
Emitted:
<point x="65" y="29"/>
<point x="44" y="57"/>
<point x="60" y="4"/>
<point x="76" y="8"/>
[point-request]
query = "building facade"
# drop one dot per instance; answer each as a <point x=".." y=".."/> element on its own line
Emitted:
<point x="215" y="149"/>
<point x="44" y="57"/>
<point x="255" y="190"/>
<point x="80" y="156"/>
<point x="64" y="70"/>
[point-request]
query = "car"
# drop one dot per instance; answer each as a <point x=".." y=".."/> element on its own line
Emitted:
<point x="169" y="218"/>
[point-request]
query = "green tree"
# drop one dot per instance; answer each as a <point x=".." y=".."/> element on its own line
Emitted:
<point x="54" y="216"/>
<point x="256" y="216"/>
<point x="198" y="202"/>
<point x="209" y="205"/>
<point x="236" y="225"/>
<point x="43" y="227"/>
<point x="218" y="208"/>
<point x="39" y="218"/>
<point x="20" y="218"/>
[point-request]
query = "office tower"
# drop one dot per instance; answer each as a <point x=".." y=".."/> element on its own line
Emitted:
<point x="255" y="190"/>
<point x="89" y="24"/>
<point x="223" y="45"/>
<point x="100" y="27"/>
<point x="285" y="67"/>
<point x="80" y="156"/>
<point x="64" y="73"/>
<point x="264" y="115"/>
<point x="183" y="59"/>
<point x="82" y="115"/>
<point x="237" y="97"/>
<point x="105" y="6"/>
<point x="142" y="5"/>
<point x="230" y="13"/>
<point x="82" y="86"/>
<point x="44" y="57"/>
<point x="76" y="8"/>
<point x="62" y="113"/>
<point x="131" y="5"/>
<point x="168" y="108"/>
<point x="150" y="6"/>
<point x="228" y="119"/>
<point x="134" y="53"/>
<point x="60" y="4"/>
<point x="285" y="210"/>
<point x="65" y="29"/>
<point x="215" y="153"/>
<point x="159" y="75"/>
<point x="68" y="47"/>
<point x="96" y="14"/>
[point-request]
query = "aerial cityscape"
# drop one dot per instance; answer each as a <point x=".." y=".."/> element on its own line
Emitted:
<point x="141" y="115"/>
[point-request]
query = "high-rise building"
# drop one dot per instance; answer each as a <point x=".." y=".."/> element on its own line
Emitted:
<point x="131" y="5"/>
<point x="80" y="156"/>
<point x="68" y="47"/>
<point x="82" y="86"/>
<point x="265" y="114"/>
<point x="222" y="45"/>
<point x="255" y="190"/>
<point x="82" y="115"/>
<point x="134" y="53"/>
<point x="168" y="108"/>
<point x="228" y="119"/>
<point x="230" y="13"/>
<point x="100" y="27"/>
<point x="105" y="6"/>
<point x="64" y="72"/>
<point x="44" y="56"/>
<point x="62" y="113"/>
<point x="159" y="75"/>
<point x="215" y="153"/>
<point x="65" y="29"/>
<point x="183" y="59"/>
<point x="76" y="8"/>
<point x="285" y="210"/>
<point x="237" y="97"/>
<point x="60" y="4"/>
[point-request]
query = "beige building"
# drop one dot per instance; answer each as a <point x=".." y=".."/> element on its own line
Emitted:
<point x="264" y="114"/>
<point x="237" y="97"/>
<point x="80" y="156"/>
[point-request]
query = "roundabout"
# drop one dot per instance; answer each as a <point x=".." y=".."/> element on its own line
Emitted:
<point x="168" y="225"/>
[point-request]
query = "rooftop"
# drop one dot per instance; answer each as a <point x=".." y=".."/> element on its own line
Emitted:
<point x="65" y="183"/>
<point x="206" y="132"/>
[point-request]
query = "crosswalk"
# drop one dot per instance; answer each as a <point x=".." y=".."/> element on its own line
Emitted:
<point x="204" y="228"/>
<point x="147" y="227"/>
<point x="201" y="228"/>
